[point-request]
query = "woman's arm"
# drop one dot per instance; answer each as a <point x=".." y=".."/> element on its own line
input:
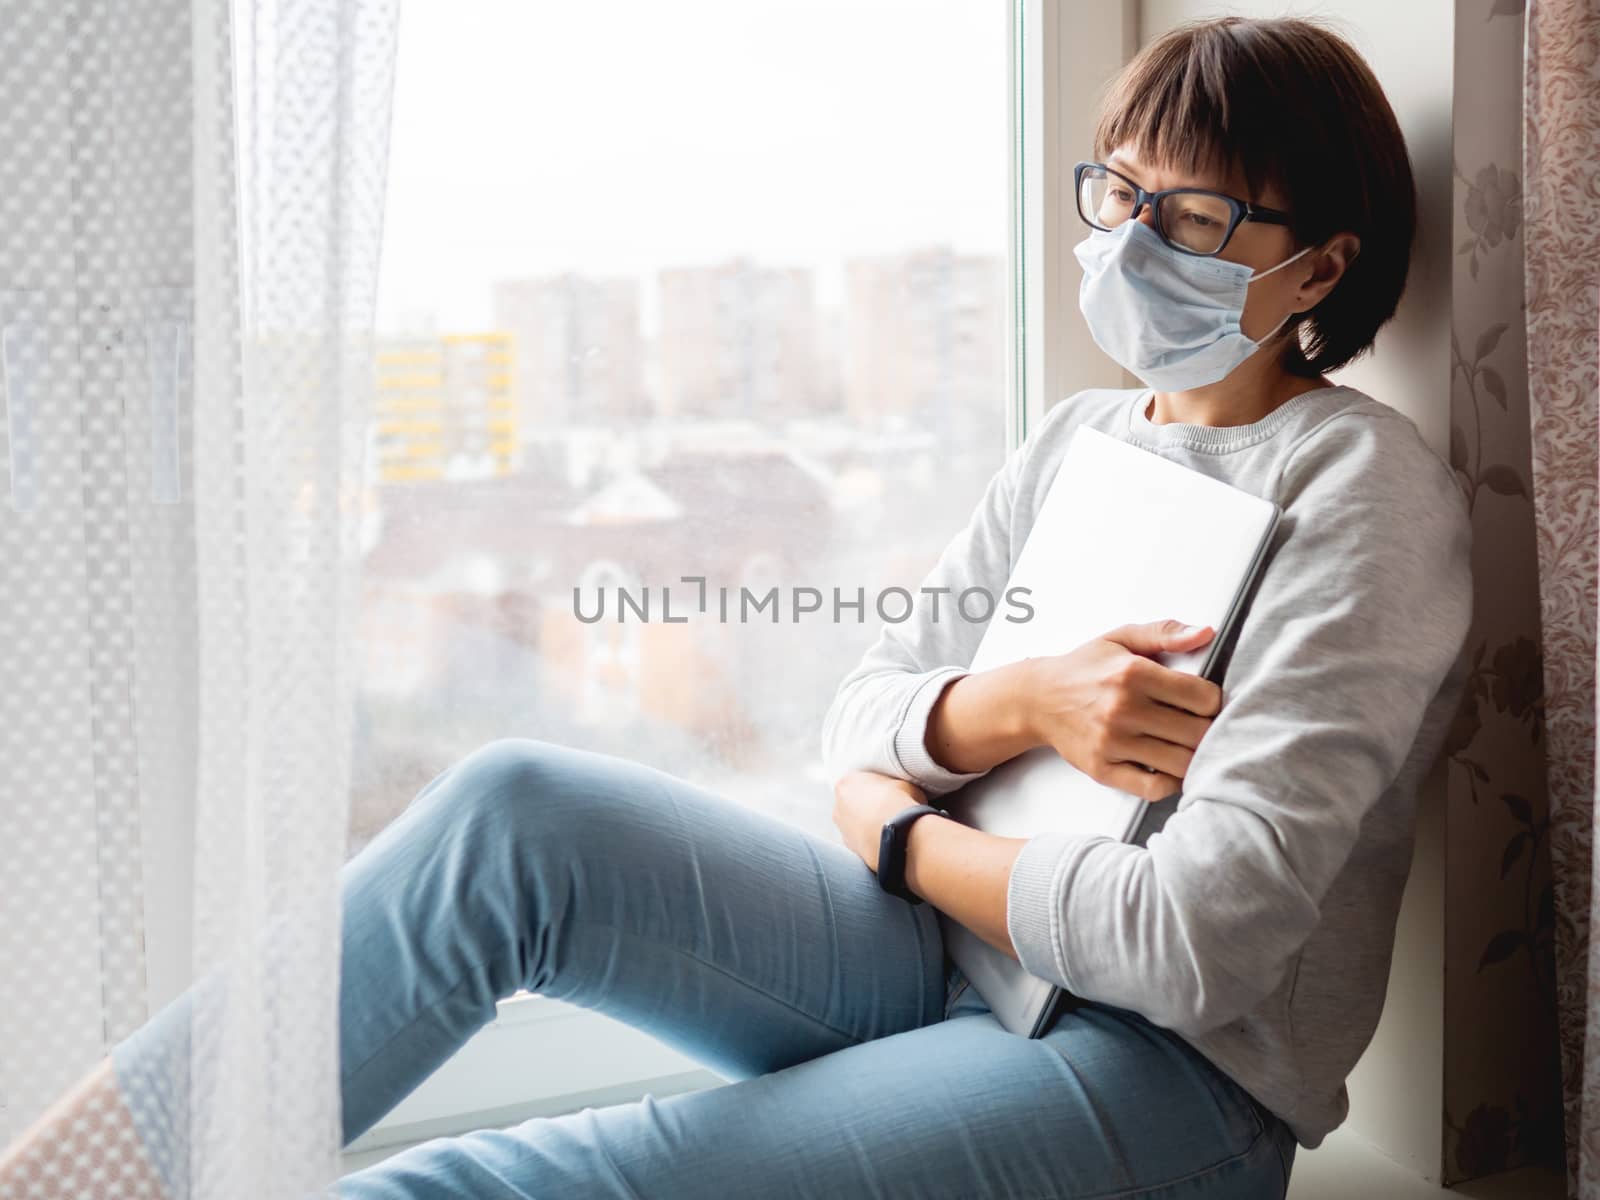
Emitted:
<point x="980" y="720"/>
<point x="1106" y="707"/>
<point x="960" y="871"/>
<point x="965" y="874"/>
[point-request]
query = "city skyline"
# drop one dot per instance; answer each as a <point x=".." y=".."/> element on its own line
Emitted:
<point x="918" y="338"/>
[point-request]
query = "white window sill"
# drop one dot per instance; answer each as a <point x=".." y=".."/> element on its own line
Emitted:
<point x="539" y="1057"/>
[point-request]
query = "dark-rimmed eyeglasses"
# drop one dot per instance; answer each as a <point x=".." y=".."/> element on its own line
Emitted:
<point x="1193" y="220"/>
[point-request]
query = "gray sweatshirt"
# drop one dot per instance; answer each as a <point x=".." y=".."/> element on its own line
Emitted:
<point x="1257" y="922"/>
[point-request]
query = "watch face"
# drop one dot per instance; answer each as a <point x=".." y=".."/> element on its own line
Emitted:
<point x="891" y="862"/>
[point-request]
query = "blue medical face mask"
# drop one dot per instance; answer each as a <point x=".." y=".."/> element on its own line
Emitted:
<point x="1170" y="318"/>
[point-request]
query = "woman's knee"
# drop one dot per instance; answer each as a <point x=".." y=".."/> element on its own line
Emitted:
<point x="514" y="785"/>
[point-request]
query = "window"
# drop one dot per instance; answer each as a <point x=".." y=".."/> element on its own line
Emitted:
<point x="712" y="289"/>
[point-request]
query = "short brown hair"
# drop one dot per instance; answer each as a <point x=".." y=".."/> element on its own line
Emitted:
<point x="1291" y="105"/>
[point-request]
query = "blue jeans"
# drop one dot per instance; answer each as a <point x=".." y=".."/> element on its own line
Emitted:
<point x="863" y="1065"/>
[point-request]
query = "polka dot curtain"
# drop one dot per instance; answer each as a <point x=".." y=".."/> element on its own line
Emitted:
<point x="190" y="208"/>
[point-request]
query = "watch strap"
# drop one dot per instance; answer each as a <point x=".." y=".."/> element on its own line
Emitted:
<point x="892" y="850"/>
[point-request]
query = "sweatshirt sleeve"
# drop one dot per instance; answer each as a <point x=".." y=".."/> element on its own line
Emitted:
<point x="878" y="718"/>
<point x="1356" y="622"/>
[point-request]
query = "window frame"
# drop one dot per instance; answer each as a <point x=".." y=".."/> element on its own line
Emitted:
<point x="1065" y="59"/>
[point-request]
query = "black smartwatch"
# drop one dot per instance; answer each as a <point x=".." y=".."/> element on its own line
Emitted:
<point x="892" y="850"/>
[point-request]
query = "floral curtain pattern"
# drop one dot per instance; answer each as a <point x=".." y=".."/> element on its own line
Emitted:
<point x="1561" y="167"/>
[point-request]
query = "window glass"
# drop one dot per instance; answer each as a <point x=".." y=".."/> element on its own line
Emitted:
<point x="708" y="289"/>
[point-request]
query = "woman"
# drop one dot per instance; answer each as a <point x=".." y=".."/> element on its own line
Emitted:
<point x="1251" y="212"/>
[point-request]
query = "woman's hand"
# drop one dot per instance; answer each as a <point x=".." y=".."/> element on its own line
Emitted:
<point x="863" y="801"/>
<point x="1112" y="712"/>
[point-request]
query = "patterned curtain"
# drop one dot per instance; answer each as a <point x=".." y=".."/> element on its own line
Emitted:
<point x="1561" y="167"/>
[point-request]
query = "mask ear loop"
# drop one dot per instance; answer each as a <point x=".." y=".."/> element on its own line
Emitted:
<point x="1273" y="332"/>
<point x="1280" y="266"/>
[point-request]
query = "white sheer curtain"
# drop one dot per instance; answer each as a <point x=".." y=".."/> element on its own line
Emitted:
<point x="190" y="214"/>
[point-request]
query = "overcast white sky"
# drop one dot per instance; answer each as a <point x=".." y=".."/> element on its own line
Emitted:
<point x="534" y="136"/>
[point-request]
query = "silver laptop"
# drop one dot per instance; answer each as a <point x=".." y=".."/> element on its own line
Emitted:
<point x="1164" y="541"/>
